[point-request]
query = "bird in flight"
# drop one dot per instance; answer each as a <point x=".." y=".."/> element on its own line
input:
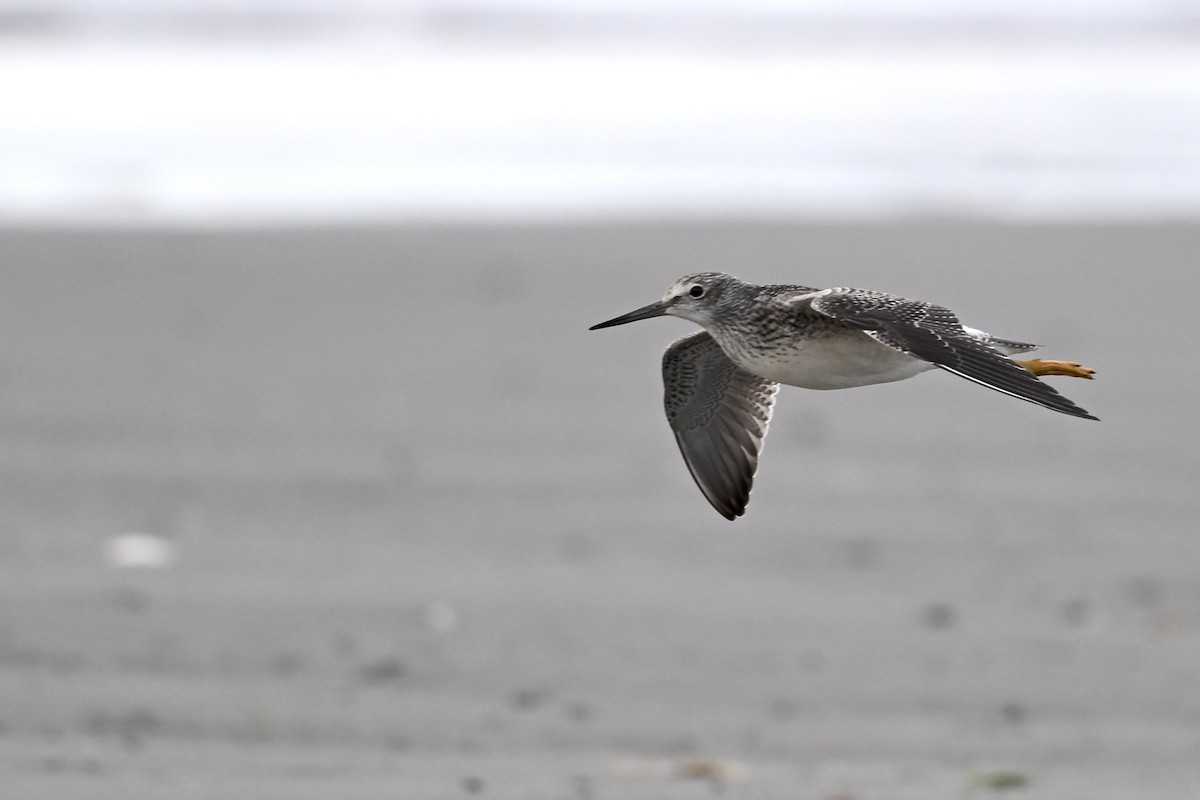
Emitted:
<point x="720" y="383"/>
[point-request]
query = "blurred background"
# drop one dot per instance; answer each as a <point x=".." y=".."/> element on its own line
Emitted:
<point x="236" y="111"/>
<point x="315" y="483"/>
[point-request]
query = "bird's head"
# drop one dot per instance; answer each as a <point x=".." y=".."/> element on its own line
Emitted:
<point x="693" y="297"/>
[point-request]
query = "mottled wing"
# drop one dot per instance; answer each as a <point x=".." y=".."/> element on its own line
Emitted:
<point x="719" y="414"/>
<point x="934" y="334"/>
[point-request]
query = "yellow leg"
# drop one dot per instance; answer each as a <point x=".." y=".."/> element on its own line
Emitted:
<point x="1069" y="368"/>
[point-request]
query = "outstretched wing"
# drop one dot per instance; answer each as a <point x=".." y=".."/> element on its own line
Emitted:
<point x="934" y="334"/>
<point x="719" y="414"/>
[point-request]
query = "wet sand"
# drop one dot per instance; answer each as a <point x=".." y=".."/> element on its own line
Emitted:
<point x="432" y="537"/>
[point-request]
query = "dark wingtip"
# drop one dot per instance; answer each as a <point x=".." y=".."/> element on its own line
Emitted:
<point x="1070" y="409"/>
<point x="732" y="507"/>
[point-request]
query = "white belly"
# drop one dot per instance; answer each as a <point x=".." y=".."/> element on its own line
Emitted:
<point x="842" y="361"/>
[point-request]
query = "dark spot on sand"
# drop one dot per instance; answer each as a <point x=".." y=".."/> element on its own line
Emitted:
<point x="527" y="699"/>
<point x="583" y="787"/>
<point x="131" y="728"/>
<point x="999" y="781"/>
<point x="1144" y="591"/>
<point x="53" y="765"/>
<point x="939" y="616"/>
<point x="130" y="600"/>
<point x="1014" y="713"/>
<point x="286" y="663"/>
<point x="861" y="553"/>
<point x="384" y="670"/>
<point x="577" y="548"/>
<point x="577" y="711"/>
<point x="782" y="709"/>
<point x="1076" y="612"/>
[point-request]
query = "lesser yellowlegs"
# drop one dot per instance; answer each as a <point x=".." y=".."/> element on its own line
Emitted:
<point x="721" y="382"/>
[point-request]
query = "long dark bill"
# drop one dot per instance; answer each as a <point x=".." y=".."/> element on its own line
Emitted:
<point x="645" y="312"/>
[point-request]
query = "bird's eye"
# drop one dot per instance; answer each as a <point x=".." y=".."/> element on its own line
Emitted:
<point x="696" y="291"/>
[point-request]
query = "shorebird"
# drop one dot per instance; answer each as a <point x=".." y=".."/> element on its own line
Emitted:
<point x="720" y="382"/>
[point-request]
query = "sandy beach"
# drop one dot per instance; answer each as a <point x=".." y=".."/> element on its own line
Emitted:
<point x="423" y="535"/>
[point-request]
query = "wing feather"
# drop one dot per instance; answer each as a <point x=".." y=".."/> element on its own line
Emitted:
<point x="934" y="333"/>
<point x="719" y="414"/>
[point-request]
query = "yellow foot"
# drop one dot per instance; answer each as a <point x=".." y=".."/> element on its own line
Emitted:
<point x="1069" y="368"/>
